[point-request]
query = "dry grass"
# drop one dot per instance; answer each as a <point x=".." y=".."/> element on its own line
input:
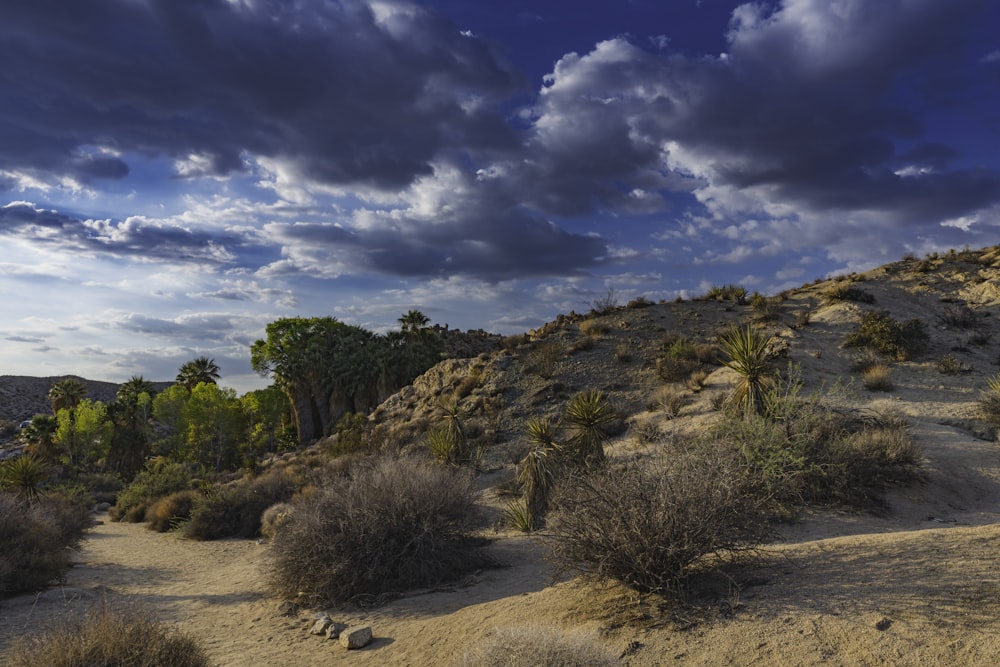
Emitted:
<point x="108" y="637"/>
<point x="877" y="377"/>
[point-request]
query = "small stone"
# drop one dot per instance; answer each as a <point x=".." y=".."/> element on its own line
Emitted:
<point x="320" y="626"/>
<point x="356" y="637"/>
<point x="333" y="632"/>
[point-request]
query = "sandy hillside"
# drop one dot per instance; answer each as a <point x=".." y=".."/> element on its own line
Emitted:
<point x="917" y="585"/>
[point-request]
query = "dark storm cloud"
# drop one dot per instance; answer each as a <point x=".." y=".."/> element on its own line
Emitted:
<point x="493" y="247"/>
<point x="133" y="238"/>
<point x="815" y="105"/>
<point x="348" y="93"/>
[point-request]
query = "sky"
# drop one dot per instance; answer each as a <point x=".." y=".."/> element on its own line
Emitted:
<point x="175" y="175"/>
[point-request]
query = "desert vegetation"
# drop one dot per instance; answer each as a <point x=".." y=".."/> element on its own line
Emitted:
<point x="646" y="447"/>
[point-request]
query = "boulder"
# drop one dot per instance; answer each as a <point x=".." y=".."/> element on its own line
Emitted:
<point x="321" y="625"/>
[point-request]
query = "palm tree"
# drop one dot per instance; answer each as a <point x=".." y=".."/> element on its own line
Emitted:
<point x="66" y="394"/>
<point x="413" y="322"/>
<point x="197" y="371"/>
<point x="130" y="390"/>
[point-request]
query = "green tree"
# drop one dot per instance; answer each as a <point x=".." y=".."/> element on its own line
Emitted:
<point x="66" y="394"/>
<point x="322" y="364"/>
<point x="269" y="421"/>
<point x="84" y="434"/>
<point x="169" y="413"/>
<point x="215" y="426"/>
<point x="39" y="436"/>
<point x="130" y="416"/>
<point x="197" y="371"/>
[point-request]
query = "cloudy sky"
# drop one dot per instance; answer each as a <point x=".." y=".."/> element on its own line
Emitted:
<point x="174" y="175"/>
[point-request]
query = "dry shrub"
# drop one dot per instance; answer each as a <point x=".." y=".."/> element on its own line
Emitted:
<point x="697" y="380"/>
<point x="847" y="292"/>
<point x="881" y="454"/>
<point x="108" y="637"/>
<point x="544" y="356"/>
<point x="866" y="358"/>
<point x="535" y="645"/>
<point x="675" y="369"/>
<point x="167" y="513"/>
<point x="273" y="518"/>
<point x="234" y="510"/>
<point x="35" y="541"/>
<point x="623" y="352"/>
<point x="393" y="525"/>
<point x="594" y="328"/>
<point x="649" y="524"/>
<point x="949" y="364"/>
<point x="988" y="405"/>
<point x="877" y="377"/>
<point x="959" y="317"/>
<point x="670" y="400"/>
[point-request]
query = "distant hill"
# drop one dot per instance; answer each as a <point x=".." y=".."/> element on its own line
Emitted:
<point x="22" y="397"/>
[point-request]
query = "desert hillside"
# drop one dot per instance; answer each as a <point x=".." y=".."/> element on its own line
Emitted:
<point x="22" y="397"/>
<point x="911" y="581"/>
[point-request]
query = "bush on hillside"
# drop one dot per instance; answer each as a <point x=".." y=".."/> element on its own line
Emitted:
<point x="899" y="340"/>
<point x="235" y="510"/>
<point x="393" y="525"/>
<point x="649" y="524"/>
<point x="108" y="637"/>
<point x="35" y="540"/>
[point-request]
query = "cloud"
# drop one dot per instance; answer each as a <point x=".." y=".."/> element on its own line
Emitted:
<point x="136" y="237"/>
<point x="334" y="87"/>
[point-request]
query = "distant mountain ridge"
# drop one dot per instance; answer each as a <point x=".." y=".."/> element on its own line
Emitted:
<point x="23" y="396"/>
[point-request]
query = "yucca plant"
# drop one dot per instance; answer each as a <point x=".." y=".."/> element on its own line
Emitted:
<point x="24" y="475"/>
<point x="536" y="473"/>
<point x="746" y="349"/>
<point x="588" y="415"/>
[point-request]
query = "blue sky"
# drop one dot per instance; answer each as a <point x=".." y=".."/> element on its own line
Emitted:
<point x="174" y="175"/>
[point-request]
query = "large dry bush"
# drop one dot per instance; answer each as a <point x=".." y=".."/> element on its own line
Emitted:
<point x="536" y="645"/>
<point x="234" y="510"/>
<point x="35" y="541"/>
<point x="392" y="525"/>
<point x="108" y="637"/>
<point x="649" y="523"/>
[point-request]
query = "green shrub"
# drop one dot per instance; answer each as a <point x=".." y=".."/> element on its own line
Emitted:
<point x="106" y="637"/>
<point x="234" y="510"/>
<point x="533" y="646"/>
<point x="158" y="479"/>
<point x="649" y="524"/>
<point x="35" y="541"/>
<point x="899" y="340"/>
<point x="393" y="525"/>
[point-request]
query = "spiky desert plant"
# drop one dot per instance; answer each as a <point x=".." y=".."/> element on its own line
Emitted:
<point x="24" y="475"/>
<point x="536" y="475"/>
<point x="746" y="349"/>
<point x="588" y="415"/>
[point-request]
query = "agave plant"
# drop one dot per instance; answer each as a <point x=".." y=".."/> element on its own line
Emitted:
<point x="588" y="415"/>
<point x="746" y="349"/>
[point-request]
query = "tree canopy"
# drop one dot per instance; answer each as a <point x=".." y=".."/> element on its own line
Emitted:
<point x="329" y="368"/>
